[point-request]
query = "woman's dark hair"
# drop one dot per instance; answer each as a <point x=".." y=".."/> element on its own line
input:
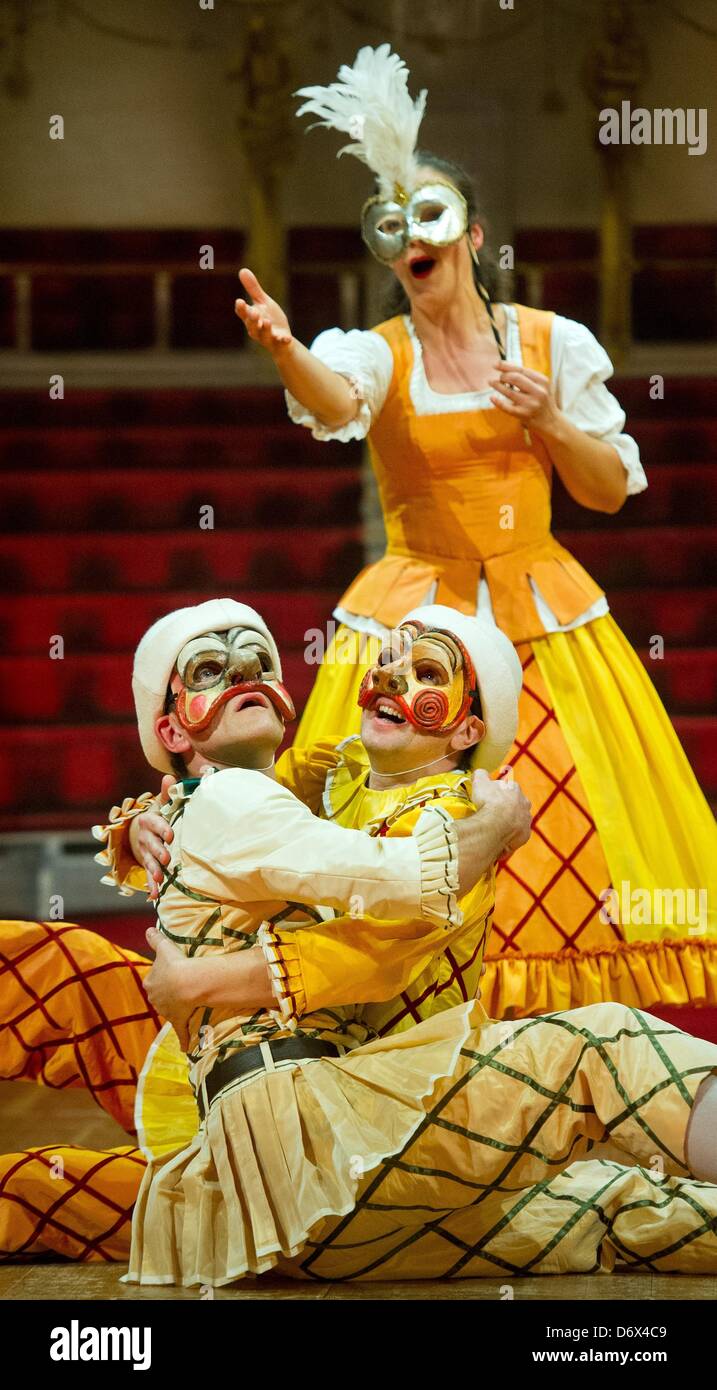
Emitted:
<point x="395" y="300"/>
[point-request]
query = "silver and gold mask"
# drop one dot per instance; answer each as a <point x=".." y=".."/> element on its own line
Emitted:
<point x="435" y="213"/>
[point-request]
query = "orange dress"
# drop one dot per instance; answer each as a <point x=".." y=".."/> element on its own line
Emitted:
<point x="450" y="523"/>
<point x="466" y="498"/>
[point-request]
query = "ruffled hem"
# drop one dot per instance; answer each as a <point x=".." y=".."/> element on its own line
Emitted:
<point x="287" y="982"/>
<point x="641" y="974"/>
<point x="387" y="589"/>
<point x="278" y="1155"/>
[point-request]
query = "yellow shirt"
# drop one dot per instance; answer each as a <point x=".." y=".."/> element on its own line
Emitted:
<point x="247" y="851"/>
<point x="397" y="973"/>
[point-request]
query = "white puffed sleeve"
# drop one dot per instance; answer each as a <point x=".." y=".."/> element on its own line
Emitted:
<point x="580" y="369"/>
<point x="366" y="360"/>
<point x="247" y="839"/>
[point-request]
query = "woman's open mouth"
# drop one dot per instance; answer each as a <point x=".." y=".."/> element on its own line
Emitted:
<point x="422" y="267"/>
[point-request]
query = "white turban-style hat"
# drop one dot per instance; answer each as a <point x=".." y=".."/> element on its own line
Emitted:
<point x="498" y="672"/>
<point x="157" y="653"/>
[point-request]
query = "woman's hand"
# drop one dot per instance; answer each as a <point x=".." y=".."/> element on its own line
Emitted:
<point x="168" y="984"/>
<point x="149" y="834"/>
<point x="527" y="395"/>
<point x="264" y="320"/>
<point x="591" y="469"/>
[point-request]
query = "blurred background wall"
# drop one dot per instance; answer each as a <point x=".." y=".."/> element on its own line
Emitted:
<point x="151" y="136"/>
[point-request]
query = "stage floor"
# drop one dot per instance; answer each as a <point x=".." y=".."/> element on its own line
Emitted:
<point x="88" y="1282"/>
<point x="32" y="1114"/>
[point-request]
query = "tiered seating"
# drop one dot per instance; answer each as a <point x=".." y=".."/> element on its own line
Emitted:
<point x="104" y="532"/>
<point x="673" y="299"/>
<point x="657" y="557"/>
<point x="273" y="558"/>
<point x="96" y="290"/>
<point x="103" y="495"/>
<point x="90" y="623"/>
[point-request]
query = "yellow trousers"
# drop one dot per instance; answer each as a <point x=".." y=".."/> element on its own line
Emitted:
<point x="479" y="1170"/>
<point x="485" y="1181"/>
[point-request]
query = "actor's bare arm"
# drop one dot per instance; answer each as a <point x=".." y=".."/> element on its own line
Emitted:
<point x="325" y="393"/>
<point x="177" y="984"/>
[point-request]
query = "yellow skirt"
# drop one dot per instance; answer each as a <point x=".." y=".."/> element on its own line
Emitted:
<point x="614" y="895"/>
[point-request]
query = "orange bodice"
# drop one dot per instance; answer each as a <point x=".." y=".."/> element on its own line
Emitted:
<point x="466" y="495"/>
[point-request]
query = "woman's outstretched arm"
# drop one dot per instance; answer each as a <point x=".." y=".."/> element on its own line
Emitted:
<point x="325" y="393"/>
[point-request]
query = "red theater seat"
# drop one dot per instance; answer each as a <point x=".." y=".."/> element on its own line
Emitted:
<point x="101" y="537"/>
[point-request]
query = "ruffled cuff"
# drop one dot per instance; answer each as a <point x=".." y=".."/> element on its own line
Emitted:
<point x="437" y="839"/>
<point x="287" y="982"/>
<point x="630" y="458"/>
<point x="357" y="428"/>
<point x="124" y="871"/>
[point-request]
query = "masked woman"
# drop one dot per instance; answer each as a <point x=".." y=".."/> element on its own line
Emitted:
<point x="467" y="406"/>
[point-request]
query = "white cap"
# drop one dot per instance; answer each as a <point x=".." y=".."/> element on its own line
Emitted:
<point x="498" y="672"/>
<point x="156" y="655"/>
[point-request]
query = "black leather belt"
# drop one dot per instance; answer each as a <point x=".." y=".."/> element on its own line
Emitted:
<point x="251" y="1059"/>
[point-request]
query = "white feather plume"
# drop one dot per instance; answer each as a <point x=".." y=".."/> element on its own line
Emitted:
<point x="371" y="102"/>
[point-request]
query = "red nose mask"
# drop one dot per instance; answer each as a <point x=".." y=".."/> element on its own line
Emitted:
<point x="196" y="710"/>
<point x="217" y="666"/>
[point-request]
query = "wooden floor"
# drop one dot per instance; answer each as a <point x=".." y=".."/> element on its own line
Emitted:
<point x="32" y="1115"/>
<point x="80" y="1282"/>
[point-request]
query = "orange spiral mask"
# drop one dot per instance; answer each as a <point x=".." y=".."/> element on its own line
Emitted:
<point x="427" y="673"/>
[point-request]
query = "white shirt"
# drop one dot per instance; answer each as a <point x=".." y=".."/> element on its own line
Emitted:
<point x="579" y="369"/>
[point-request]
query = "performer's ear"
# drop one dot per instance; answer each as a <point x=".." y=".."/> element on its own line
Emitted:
<point x="173" y="736"/>
<point x="476" y="234"/>
<point x="470" y="733"/>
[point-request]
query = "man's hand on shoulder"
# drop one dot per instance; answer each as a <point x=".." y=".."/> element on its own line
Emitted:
<point x="505" y="800"/>
<point x="500" y="825"/>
